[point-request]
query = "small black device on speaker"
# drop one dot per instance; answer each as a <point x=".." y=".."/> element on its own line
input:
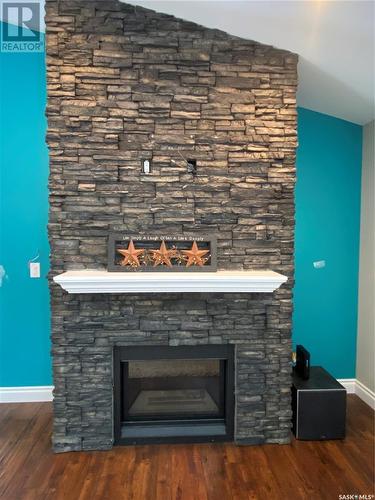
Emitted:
<point x="302" y="368"/>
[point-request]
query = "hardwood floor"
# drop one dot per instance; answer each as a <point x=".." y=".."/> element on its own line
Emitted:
<point x="302" y="470"/>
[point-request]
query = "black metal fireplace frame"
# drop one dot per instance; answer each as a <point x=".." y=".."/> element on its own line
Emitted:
<point x="222" y="352"/>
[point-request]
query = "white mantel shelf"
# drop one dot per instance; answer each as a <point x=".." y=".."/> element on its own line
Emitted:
<point x="94" y="281"/>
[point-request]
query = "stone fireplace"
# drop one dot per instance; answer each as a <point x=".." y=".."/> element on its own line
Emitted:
<point x="126" y="85"/>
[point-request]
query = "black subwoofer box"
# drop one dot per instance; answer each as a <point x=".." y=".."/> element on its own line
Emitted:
<point x="319" y="406"/>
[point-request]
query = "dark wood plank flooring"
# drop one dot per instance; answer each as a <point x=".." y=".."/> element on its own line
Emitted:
<point x="302" y="470"/>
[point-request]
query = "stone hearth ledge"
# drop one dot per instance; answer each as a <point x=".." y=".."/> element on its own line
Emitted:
<point x="101" y="281"/>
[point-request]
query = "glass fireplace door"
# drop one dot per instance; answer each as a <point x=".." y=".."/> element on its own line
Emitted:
<point x="173" y="394"/>
<point x="173" y="389"/>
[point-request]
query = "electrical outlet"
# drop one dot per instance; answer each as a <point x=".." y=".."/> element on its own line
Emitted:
<point x="319" y="264"/>
<point x="2" y="274"/>
<point x="34" y="269"/>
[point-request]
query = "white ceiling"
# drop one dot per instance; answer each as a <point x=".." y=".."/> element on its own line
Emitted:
<point x="335" y="41"/>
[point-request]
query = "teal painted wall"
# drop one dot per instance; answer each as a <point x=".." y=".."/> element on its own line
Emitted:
<point x="327" y="200"/>
<point x="24" y="302"/>
<point x="327" y="228"/>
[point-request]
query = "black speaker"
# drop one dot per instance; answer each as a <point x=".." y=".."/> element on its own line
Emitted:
<point x="319" y="406"/>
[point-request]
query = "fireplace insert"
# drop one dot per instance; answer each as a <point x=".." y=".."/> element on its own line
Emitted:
<point x="173" y="394"/>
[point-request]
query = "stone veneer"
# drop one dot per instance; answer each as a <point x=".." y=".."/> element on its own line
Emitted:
<point x="127" y="84"/>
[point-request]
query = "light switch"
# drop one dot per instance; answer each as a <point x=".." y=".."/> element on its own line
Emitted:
<point x="146" y="167"/>
<point x="34" y="269"/>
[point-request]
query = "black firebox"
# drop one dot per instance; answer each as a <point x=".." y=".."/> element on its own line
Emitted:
<point x="173" y="394"/>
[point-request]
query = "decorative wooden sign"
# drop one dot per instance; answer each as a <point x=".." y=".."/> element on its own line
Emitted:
<point x="161" y="253"/>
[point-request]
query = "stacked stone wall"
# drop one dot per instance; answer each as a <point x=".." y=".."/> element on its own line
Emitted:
<point x="126" y="84"/>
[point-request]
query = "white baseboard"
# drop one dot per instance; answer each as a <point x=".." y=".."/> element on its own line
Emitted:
<point x="354" y="386"/>
<point x="34" y="394"/>
<point x="365" y="394"/>
<point x="29" y="394"/>
<point x="349" y="384"/>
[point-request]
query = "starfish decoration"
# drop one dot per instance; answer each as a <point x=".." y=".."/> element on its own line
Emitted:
<point x="130" y="255"/>
<point x="195" y="256"/>
<point x="163" y="255"/>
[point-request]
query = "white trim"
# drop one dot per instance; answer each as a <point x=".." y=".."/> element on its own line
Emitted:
<point x="28" y="394"/>
<point x="365" y="394"/>
<point x="354" y="386"/>
<point x="97" y="281"/>
<point x="348" y="383"/>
